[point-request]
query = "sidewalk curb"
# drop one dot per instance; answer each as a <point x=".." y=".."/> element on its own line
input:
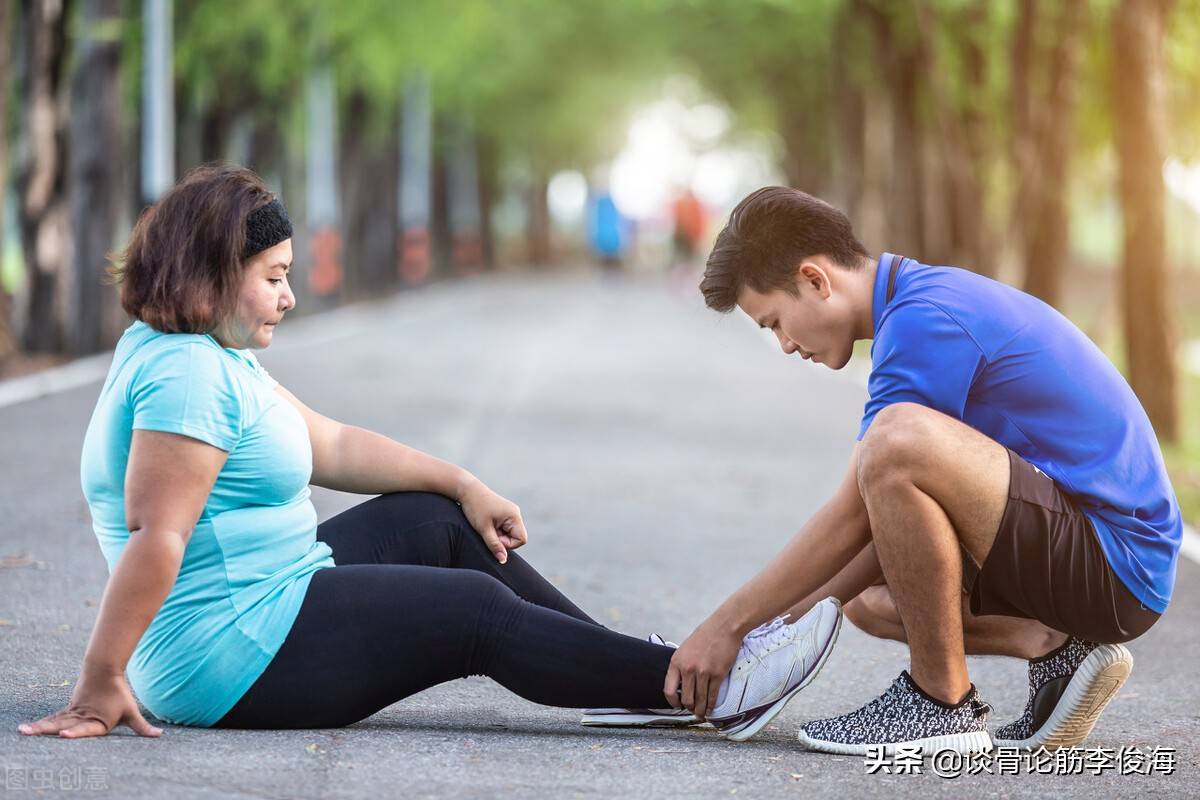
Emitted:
<point x="302" y="332"/>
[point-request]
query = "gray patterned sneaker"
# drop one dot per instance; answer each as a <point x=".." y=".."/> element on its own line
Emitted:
<point x="904" y="715"/>
<point x="1068" y="688"/>
<point x="640" y="717"/>
<point x="774" y="663"/>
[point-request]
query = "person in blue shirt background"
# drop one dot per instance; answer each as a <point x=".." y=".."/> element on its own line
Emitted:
<point x="1006" y="494"/>
<point x="608" y="229"/>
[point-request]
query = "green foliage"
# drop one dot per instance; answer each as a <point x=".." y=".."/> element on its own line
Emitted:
<point x="1183" y="83"/>
<point x="552" y="83"/>
<point x="241" y="55"/>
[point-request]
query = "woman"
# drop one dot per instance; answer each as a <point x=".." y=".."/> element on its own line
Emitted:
<point x="227" y="604"/>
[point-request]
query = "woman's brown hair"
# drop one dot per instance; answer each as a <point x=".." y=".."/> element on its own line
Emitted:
<point x="181" y="271"/>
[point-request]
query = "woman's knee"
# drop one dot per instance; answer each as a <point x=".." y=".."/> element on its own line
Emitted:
<point x="419" y="507"/>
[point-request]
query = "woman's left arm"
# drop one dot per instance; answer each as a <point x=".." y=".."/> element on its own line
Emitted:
<point x="352" y="459"/>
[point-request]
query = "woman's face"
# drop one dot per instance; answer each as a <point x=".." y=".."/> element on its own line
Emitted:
<point x="264" y="298"/>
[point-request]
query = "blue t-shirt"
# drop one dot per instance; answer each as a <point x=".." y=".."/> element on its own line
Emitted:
<point x="253" y="551"/>
<point x="1021" y="373"/>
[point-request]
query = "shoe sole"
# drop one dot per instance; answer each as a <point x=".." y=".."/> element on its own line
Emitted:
<point x="1097" y="680"/>
<point x="974" y="742"/>
<point x="758" y="723"/>
<point x="637" y="721"/>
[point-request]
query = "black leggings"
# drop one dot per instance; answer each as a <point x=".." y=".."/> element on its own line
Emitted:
<point x="417" y="599"/>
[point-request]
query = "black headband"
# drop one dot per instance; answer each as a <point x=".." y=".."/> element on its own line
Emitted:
<point x="266" y="227"/>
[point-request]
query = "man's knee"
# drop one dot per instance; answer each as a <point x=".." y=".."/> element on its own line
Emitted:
<point x="896" y="445"/>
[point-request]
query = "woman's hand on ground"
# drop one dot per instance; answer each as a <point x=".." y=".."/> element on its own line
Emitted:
<point x="99" y="703"/>
<point x="497" y="520"/>
<point x="699" y="667"/>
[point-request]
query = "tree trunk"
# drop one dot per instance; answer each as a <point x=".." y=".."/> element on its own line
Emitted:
<point x="414" y="248"/>
<point x="94" y="178"/>
<point x="955" y="224"/>
<point x="439" y="209"/>
<point x="321" y="202"/>
<point x="1047" y="227"/>
<point x="488" y="191"/>
<point x="849" y="151"/>
<point x="537" y="230"/>
<point x="902" y="62"/>
<point x="805" y="158"/>
<point x="1138" y="102"/>
<point x="266" y="151"/>
<point x="158" y="151"/>
<point x="973" y="235"/>
<point x="462" y="184"/>
<point x="1023" y="153"/>
<point x="907" y="197"/>
<point x="368" y="204"/>
<point x="45" y="233"/>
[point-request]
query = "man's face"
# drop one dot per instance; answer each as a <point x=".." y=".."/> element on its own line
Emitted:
<point x="816" y="323"/>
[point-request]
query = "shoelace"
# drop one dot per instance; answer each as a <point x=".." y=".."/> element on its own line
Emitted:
<point x="763" y="639"/>
<point x="882" y="704"/>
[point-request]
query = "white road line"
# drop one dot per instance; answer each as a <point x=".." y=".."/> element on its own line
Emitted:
<point x="1190" y="546"/>
<point x="81" y="372"/>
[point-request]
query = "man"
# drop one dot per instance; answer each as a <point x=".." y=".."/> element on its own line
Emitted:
<point x="1006" y="494"/>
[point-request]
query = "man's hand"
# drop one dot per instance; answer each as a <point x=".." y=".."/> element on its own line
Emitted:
<point x="497" y="520"/>
<point x="699" y="666"/>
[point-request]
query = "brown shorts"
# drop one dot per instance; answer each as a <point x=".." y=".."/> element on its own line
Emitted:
<point x="1047" y="564"/>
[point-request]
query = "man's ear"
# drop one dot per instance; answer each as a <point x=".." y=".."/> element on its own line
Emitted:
<point x="813" y="276"/>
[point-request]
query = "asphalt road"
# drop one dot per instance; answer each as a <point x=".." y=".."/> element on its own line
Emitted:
<point x="660" y="453"/>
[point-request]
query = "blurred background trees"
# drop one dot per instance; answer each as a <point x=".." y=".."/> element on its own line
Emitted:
<point x="1050" y="143"/>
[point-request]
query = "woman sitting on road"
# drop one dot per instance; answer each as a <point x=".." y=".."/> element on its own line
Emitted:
<point x="229" y="606"/>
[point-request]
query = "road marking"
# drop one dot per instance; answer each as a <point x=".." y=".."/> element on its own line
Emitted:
<point x="1190" y="546"/>
<point x="80" y="372"/>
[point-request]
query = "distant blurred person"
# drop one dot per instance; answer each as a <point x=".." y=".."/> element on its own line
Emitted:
<point x="689" y="222"/>
<point x="688" y="225"/>
<point x="229" y="606"/>
<point x="608" y="230"/>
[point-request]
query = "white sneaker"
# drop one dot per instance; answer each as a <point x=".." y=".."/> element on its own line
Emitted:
<point x="775" y="662"/>
<point x="640" y="717"/>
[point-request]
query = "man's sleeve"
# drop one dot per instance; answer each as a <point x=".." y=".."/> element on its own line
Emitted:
<point x="921" y="355"/>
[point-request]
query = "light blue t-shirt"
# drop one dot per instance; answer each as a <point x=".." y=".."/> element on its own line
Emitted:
<point x="253" y="551"/>
<point x="1021" y="373"/>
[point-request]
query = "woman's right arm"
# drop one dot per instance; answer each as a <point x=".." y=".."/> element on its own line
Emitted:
<point x="167" y="482"/>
